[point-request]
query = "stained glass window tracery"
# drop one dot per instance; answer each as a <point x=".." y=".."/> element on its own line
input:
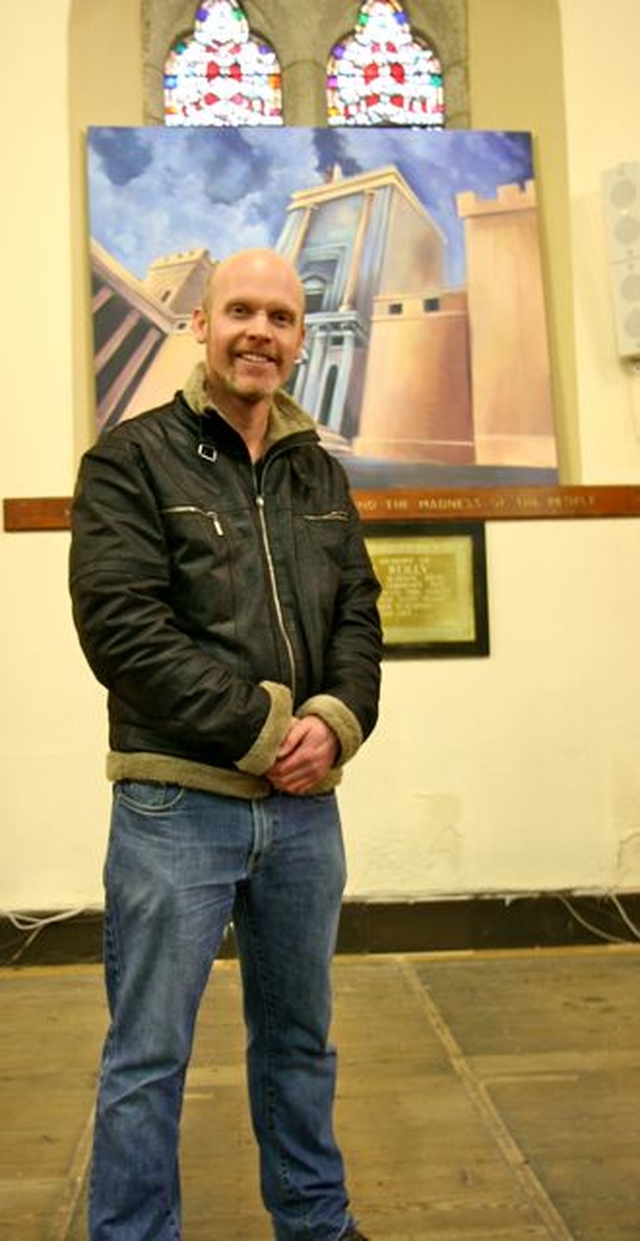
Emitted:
<point x="222" y="75"/>
<point x="382" y="74"/>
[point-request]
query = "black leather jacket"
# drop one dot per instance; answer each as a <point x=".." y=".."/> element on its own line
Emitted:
<point x="212" y="596"/>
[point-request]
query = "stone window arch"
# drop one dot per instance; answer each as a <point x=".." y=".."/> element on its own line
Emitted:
<point x="302" y="38"/>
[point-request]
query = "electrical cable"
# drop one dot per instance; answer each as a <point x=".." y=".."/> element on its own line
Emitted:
<point x="635" y="931"/>
<point x="27" y="922"/>
<point x="24" y="946"/>
<point x="606" y="936"/>
<point x="31" y="925"/>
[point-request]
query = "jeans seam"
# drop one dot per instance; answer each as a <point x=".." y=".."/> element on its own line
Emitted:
<point x="270" y="1090"/>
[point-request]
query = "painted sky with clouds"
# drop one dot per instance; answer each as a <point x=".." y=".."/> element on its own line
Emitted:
<point x="155" y="191"/>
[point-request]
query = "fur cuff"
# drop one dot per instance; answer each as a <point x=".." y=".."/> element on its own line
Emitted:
<point x="262" y="754"/>
<point x="340" y="718"/>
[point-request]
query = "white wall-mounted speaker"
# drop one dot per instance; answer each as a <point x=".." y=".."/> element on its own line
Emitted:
<point x="621" y="192"/>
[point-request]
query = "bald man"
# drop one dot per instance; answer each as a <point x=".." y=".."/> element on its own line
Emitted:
<point x="223" y="594"/>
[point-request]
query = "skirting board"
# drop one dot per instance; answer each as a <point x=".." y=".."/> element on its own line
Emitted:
<point x="472" y="924"/>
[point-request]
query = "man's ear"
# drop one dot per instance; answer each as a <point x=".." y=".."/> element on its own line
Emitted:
<point x="199" y="325"/>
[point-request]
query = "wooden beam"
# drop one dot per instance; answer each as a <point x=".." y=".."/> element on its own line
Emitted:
<point x="40" y="513"/>
<point x="438" y="503"/>
<point x="499" y="503"/>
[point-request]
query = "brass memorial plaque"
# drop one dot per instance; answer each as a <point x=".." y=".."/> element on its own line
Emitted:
<point x="433" y="598"/>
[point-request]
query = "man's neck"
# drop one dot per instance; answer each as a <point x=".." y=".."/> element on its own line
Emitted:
<point x="251" y="421"/>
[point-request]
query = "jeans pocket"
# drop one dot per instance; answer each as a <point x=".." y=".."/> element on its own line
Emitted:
<point x="149" y="797"/>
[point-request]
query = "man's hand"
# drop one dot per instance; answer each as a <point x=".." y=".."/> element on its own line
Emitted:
<point x="308" y="751"/>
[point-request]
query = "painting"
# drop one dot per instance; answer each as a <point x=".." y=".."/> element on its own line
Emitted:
<point x="426" y="361"/>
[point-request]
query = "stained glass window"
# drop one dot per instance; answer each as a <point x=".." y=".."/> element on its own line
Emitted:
<point x="222" y="75"/>
<point x="382" y="74"/>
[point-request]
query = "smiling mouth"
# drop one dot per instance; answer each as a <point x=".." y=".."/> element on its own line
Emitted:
<point x="257" y="359"/>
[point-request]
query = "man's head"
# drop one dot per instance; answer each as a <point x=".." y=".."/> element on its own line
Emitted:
<point x="251" y="323"/>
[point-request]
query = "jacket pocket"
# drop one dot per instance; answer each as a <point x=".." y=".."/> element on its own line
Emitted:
<point x="191" y="509"/>
<point x="202" y="580"/>
<point x="326" y="534"/>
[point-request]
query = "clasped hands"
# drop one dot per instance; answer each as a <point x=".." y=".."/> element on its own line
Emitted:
<point x="304" y="757"/>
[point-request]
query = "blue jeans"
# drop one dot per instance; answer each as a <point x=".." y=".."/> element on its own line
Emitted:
<point x="180" y="864"/>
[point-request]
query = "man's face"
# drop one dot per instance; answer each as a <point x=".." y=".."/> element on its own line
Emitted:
<point x="253" y="328"/>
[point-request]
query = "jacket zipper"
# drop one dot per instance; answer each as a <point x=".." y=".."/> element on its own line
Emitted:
<point x="191" y="508"/>
<point x="260" y="503"/>
<point x="274" y="590"/>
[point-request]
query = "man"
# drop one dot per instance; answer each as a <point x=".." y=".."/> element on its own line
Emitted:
<point x="223" y="594"/>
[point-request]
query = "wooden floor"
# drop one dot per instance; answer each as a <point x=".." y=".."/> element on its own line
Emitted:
<point x="491" y="1097"/>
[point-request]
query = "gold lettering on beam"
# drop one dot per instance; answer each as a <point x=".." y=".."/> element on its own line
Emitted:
<point x="500" y="503"/>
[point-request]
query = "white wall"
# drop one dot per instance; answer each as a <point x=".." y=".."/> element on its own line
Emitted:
<point x="515" y="773"/>
<point x="519" y="772"/>
<point x="603" y="102"/>
<point x="51" y="803"/>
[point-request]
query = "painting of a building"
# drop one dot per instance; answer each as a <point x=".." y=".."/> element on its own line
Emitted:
<point x="141" y="330"/>
<point x="353" y="239"/>
<point x="402" y="368"/>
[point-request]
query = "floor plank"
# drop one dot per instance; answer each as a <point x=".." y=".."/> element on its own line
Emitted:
<point x="481" y="1096"/>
